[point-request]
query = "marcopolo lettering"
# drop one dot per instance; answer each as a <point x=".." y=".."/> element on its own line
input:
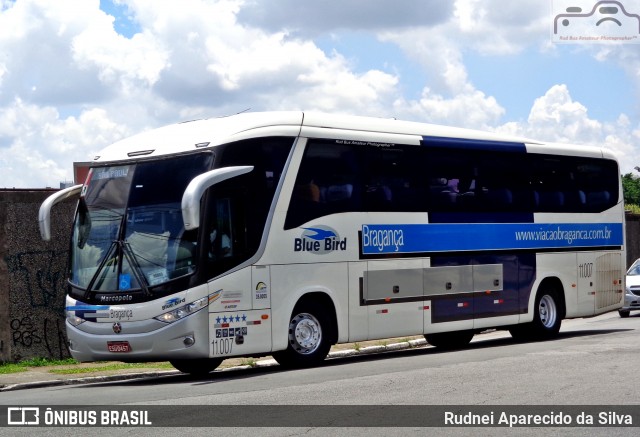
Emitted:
<point x="319" y="240"/>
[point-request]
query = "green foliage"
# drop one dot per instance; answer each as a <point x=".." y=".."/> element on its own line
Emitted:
<point x="633" y="209"/>
<point x="631" y="189"/>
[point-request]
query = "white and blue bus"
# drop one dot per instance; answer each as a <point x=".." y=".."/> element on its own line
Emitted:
<point x="283" y="233"/>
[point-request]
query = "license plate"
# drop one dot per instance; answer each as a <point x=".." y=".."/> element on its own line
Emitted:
<point x="118" y="346"/>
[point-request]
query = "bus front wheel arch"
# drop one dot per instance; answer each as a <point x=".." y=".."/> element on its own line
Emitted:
<point x="311" y="332"/>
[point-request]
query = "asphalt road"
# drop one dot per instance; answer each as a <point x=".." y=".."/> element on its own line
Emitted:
<point x="592" y="362"/>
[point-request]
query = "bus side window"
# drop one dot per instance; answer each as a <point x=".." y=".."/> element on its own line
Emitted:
<point x="307" y="198"/>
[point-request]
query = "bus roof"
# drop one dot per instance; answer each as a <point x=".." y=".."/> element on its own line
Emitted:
<point x="199" y="134"/>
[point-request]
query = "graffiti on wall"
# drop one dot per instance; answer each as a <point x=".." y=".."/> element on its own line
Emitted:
<point x="37" y="285"/>
<point x="40" y="276"/>
<point x="48" y="336"/>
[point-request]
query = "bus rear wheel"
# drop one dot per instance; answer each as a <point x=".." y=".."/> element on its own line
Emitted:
<point x="449" y="340"/>
<point x="197" y="366"/>
<point x="547" y="318"/>
<point x="308" y="337"/>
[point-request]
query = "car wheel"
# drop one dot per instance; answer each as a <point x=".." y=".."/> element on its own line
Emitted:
<point x="624" y="313"/>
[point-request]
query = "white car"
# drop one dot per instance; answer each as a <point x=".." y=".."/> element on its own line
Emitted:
<point x="632" y="294"/>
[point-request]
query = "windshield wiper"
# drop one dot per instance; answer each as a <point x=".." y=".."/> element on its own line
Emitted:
<point x="112" y="255"/>
<point x="135" y="267"/>
<point x="101" y="266"/>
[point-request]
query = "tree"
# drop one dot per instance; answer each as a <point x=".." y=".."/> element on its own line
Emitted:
<point x="631" y="189"/>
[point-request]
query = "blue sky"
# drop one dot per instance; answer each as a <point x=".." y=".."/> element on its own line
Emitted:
<point x="517" y="80"/>
<point x="80" y="74"/>
<point x="124" y="23"/>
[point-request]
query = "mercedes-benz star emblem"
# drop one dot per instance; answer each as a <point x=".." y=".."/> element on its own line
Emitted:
<point x="117" y="327"/>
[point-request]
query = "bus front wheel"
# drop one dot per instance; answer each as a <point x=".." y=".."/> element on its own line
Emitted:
<point x="308" y="337"/>
<point x="198" y="366"/>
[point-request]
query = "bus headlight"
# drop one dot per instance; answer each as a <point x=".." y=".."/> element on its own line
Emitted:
<point x="73" y="319"/>
<point x="183" y="311"/>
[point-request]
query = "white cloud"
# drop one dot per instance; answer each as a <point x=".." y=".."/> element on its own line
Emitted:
<point x="190" y="59"/>
<point x="38" y="147"/>
<point x="70" y="84"/>
<point x="556" y="117"/>
<point x="311" y="18"/>
<point x="472" y="109"/>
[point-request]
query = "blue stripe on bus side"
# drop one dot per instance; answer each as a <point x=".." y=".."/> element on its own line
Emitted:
<point x="465" y="143"/>
<point x="379" y="239"/>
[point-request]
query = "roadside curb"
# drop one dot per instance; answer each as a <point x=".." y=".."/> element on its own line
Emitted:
<point x="411" y="344"/>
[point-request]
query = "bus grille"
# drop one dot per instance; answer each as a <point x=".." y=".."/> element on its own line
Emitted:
<point x="608" y="280"/>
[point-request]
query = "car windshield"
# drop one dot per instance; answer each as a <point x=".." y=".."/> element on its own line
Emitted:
<point x="128" y="233"/>
<point x="634" y="270"/>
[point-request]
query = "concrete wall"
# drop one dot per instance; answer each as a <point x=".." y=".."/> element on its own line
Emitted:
<point x="633" y="238"/>
<point x="33" y="275"/>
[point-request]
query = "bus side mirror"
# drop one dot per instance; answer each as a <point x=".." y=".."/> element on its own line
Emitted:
<point x="197" y="187"/>
<point x="44" y="215"/>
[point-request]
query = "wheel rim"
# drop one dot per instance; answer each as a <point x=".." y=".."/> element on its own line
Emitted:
<point x="548" y="311"/>
<point x="305" y="333"/>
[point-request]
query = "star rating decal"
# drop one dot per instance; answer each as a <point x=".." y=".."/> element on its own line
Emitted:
<point x="231" y="318"/>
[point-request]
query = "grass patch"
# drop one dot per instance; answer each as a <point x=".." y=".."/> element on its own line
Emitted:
<point x="108" y="367"/>
<point x="69" y="366"/>
<point x="23" y="366"/>
<point x="251" y="362"/>
<point x="41" y="362"/>
<point x="7" y="368"/>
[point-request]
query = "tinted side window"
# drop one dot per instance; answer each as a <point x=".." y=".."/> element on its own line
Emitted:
<point x="499" y="181"/>
<point x="327" y="183"/>
<point x="342" y="176"/>
<point x="574" y="184"/>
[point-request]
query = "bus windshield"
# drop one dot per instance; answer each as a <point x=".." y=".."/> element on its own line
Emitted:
<point x="128" y="233"/>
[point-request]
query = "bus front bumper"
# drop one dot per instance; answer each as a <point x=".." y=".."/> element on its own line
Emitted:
<point x="140" y="341"/>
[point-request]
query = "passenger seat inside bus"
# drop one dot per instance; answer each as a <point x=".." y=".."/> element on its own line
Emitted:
<point x="598" y="199"/>
<point x="550" y="200"/>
